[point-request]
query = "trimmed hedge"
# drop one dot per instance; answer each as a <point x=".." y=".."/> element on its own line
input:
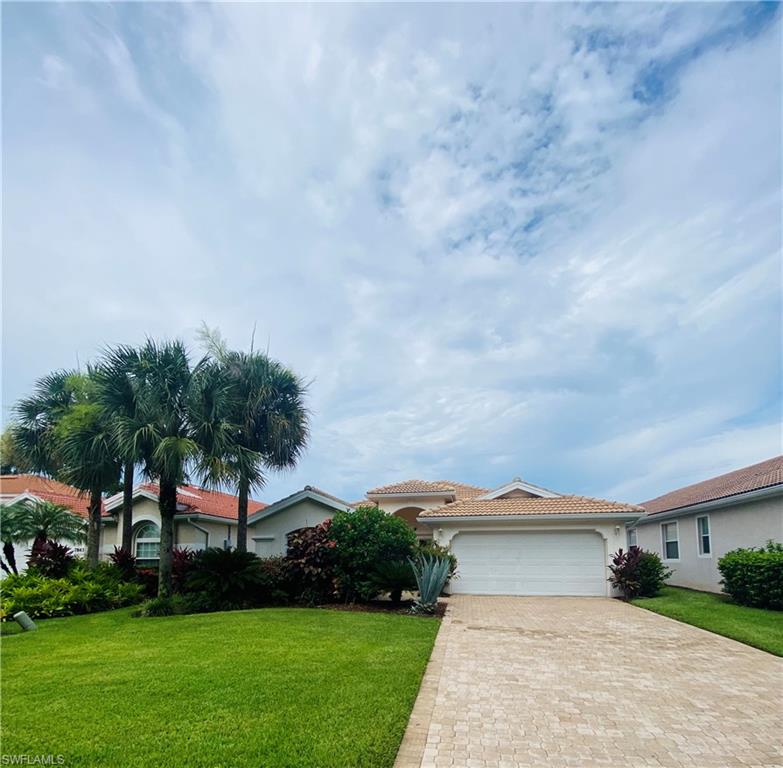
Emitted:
<point x="754" y="577"/>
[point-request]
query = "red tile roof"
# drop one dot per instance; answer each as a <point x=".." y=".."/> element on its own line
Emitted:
<point x="45" y="489"/>
<point x="762" y="475"/>
<point x="200" y="501"/>
<point x="525" y="506"/>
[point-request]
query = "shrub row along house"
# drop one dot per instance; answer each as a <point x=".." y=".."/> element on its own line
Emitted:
<point x="518" y="539"/>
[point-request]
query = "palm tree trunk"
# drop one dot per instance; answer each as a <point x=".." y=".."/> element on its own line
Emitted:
<point x="167" y="504"/>
<point x="10" y="555"/>
<point x="127" y="507"/>
<point x="94" y="528"/>
<point x="244" y="492"/>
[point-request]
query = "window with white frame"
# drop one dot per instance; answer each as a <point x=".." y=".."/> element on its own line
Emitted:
<point x="147" y="543"/>
<point x="703" y="533"/>
<point x="671" y="541"/>
<point x="632" y="537"/>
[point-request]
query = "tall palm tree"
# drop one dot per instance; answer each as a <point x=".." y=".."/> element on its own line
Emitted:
<point x="10" y="533"/>
<point x="63" y="431"/>
<point x="180" y="424"/>
<point x="119" y="395"/>
<point x="271" y="422"/>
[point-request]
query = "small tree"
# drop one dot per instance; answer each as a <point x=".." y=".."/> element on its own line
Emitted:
<point x="363" y="538"/>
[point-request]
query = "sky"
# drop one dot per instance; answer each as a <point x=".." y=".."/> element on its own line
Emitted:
<point x="534" y="240"/>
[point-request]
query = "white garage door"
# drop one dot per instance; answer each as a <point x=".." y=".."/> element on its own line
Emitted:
<point x="517" y="563"/>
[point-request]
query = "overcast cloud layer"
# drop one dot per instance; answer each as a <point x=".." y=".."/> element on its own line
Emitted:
<point x="536" y="240"/>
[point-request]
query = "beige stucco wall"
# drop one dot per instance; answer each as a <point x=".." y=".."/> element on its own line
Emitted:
<point x="186" y="535"/>
<point x="423" y="502"/>
<point x="611" y="531"/>
<point x="742" y="525"/>
<point x="267" y="537"/>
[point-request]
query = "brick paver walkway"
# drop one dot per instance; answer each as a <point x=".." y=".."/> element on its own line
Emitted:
<point x="584" y="682"/>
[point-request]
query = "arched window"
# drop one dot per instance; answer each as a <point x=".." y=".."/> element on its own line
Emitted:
<point x="147" y="543"/>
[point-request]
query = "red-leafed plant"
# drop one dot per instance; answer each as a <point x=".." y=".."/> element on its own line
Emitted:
<point x="182" y="560"/>
<point x="310" y="562"/>
<point x="638" y="573"/>
<point x="51" y="559"/>
<point x="125" y="561"/>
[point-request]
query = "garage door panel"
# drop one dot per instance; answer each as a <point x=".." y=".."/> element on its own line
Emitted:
<point x="530" y="563"/>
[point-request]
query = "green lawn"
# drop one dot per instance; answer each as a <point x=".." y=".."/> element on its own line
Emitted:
<point x="755" y="626"/>
<point x="273" y="687"/>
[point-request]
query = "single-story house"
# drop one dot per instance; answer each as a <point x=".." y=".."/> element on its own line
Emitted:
<point x="205" y="518"/>
<point x="31" y="488"/>
<point x="518" y="539"/>
<point x="692" y="527"/>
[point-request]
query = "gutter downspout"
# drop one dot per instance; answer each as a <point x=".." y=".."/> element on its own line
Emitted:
<point x="189" y="521"/>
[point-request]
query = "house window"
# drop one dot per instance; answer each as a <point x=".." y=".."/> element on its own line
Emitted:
<point x="703" y="532"/>
<point x="671" y="541"/>
<point x="632" y="537"/>
<point x="147" y="547"/>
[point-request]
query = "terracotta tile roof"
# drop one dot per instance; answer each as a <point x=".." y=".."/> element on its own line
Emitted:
<point x="46" y="489"/>
<point x="762" y="475"/>
<point x="562" y="505"/>
<point x="460" y="490"/>
<point x="363" y="503"/>
<point x="197" y="500"/>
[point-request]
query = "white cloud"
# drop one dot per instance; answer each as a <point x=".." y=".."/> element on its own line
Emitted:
<point x="458" y="221"/>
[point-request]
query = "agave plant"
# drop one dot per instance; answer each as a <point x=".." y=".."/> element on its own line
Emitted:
<point x="431" y="575"/>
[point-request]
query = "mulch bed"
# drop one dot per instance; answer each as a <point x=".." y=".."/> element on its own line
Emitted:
<point x="384" y="606"/>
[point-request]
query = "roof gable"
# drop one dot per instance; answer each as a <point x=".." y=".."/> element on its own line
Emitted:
<point x="310" y="493"/>
<point x="519" y="488"/>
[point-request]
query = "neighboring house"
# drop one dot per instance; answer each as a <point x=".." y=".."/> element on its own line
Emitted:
<point x="32" y="488"/>
<point x="519" y="539"/>
<point x="692" y="527"/>
<point x="204" y="519"/>
<point x="268" y="528"/>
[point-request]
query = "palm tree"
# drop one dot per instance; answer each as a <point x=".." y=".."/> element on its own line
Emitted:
<point x="179" y="424"/>
<point x="62" y="431"/>
<point x="269" y="417"/>
<point x="39" y="521"/>
<point x="119" y="395"/>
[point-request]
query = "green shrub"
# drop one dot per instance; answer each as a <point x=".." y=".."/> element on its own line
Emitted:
<point x="274" y="586"/>
<point x="363" y="538"/>
<point x="638" y="573"/>
<point x="164" y="606"/>
<point x="231" y="579"/>
<point x="433" y="549"/>
<point x="754" y="577"/>
<point x="41" y="597"/>
<point x="394" y="577"/>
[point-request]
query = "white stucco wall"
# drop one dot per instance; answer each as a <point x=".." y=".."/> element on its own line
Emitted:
<point x="611" y="531"/>
<point x="750" y="524"/>
<point x="268" y="536"/>
<point x="186" y="535"/>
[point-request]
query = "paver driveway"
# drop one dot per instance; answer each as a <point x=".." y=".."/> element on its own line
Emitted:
<point x="526" y="681"/>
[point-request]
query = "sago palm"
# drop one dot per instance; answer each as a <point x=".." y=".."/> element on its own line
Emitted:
<point x="269" y="417"/>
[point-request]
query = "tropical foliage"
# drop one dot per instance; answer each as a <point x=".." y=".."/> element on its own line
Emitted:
<point x="37" y="522"/>
<point x="268" y="417"/>
<point x="81" y="590"/>
<point x="431" y="574"/>
<point x="637" y="573"/>
<point x="363" y="538"/>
